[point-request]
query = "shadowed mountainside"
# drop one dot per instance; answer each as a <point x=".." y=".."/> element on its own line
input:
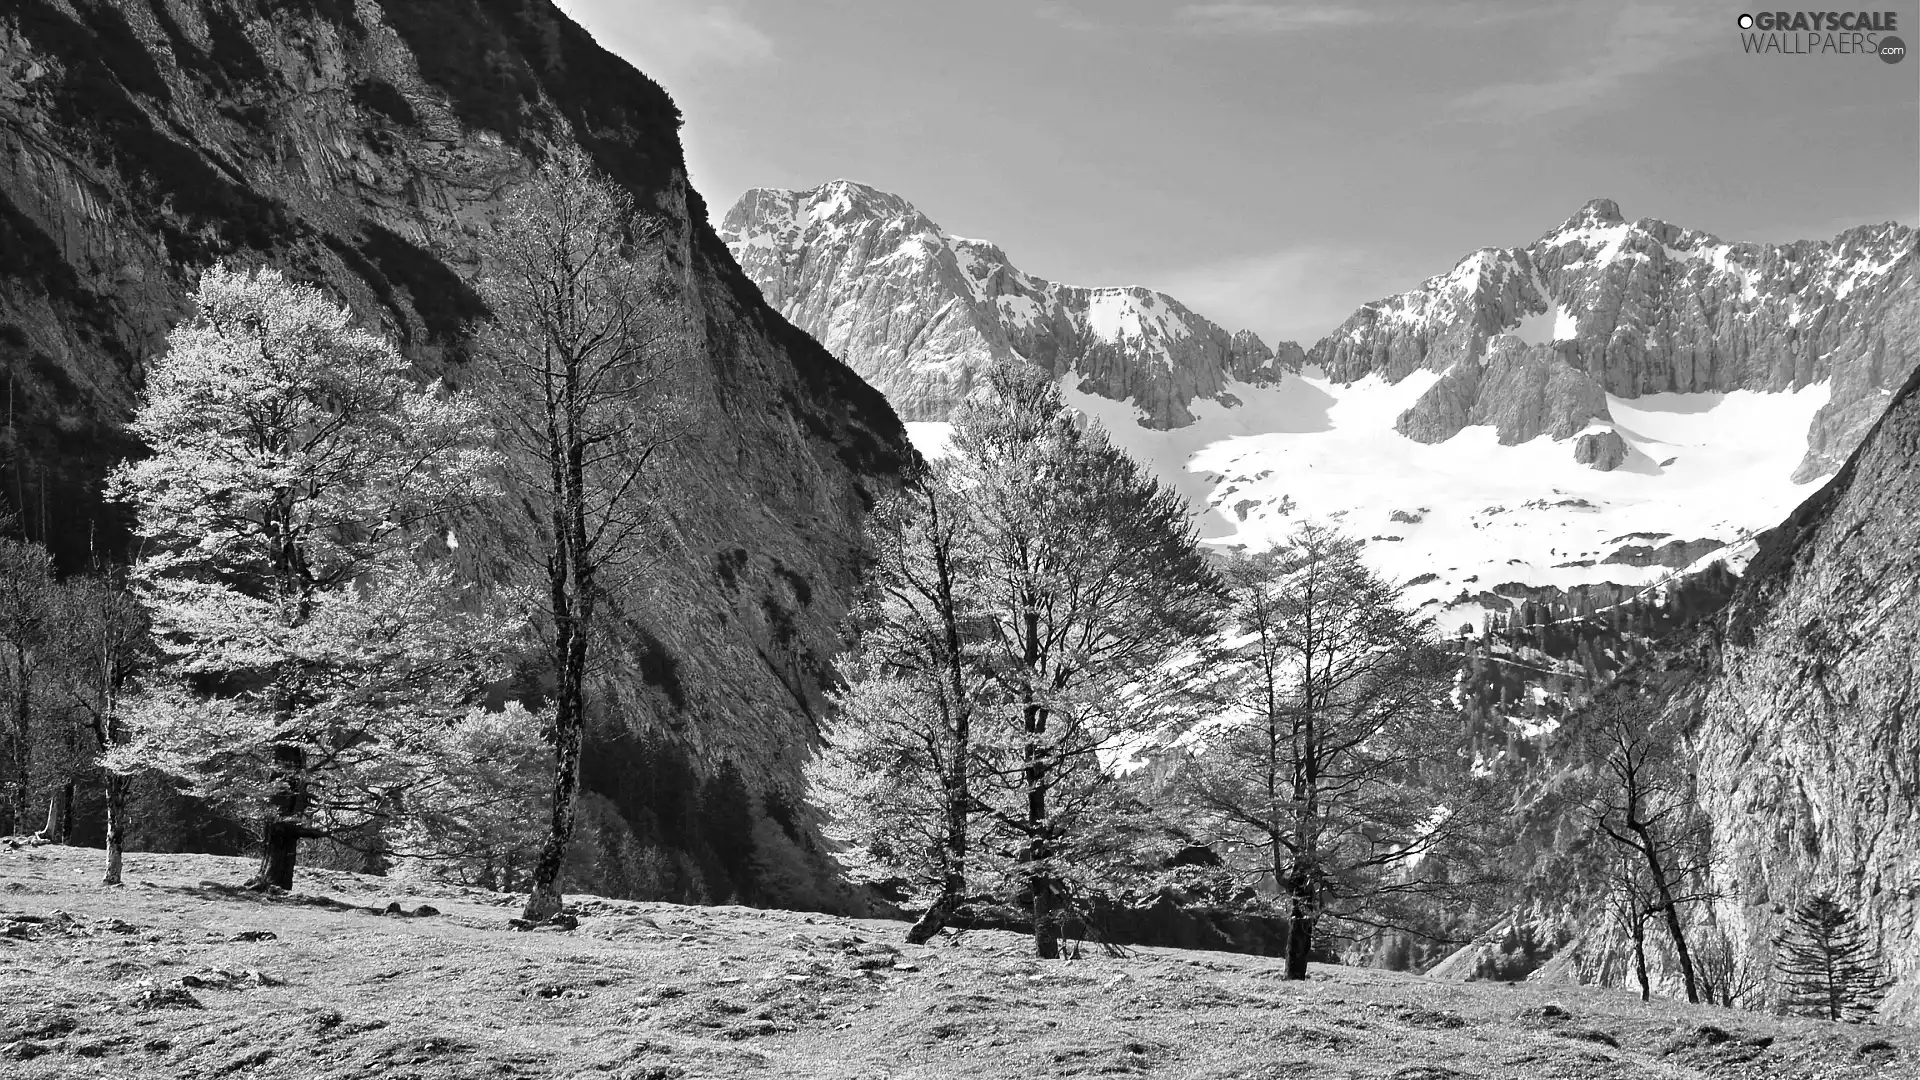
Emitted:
<point x="364" y="147"/>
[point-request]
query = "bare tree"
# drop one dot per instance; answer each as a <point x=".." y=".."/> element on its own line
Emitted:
<point x="1645" y="806"/>
<point x="1729" y="974"/>
<point x="1627" y="899"/>
<point x="586" y="359"/>
<point x="1329" y="698"/>
<point x="105" y="643"/>
<point x="1089" y="582"/>
<point x="897" y="774"/>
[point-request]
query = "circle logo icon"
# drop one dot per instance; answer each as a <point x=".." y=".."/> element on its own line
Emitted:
<point x="1746" y="22"/>
<point x="1892" y="50"/>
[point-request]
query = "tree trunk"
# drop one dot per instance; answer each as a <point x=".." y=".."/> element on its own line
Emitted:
<point x="1668" y="907"/>
<point x="544" y="901"/>
<point x="286" y="820"/>
<point x="7" y="827"/>
<point x="935" y="918"/>
<point x="1046" y="918"/>
<point x="22" y="740"/>
<point x="1301" y="918"/>
<point x="570" y="583"/>
<point x="953" y="886"/>
<point x="1640" y="958"/>
<point x="116" y="826"/>
<point x="59" y="814"/>
<point x="279" y="849"/>
<point x="1046" y="929"/>
<point x="1303" y="879"/>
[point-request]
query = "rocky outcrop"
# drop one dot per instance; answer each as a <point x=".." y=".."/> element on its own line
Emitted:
<point x="1649" y="307"/>
<point x="1675" y="554"/>
<point x="364" y="147"/>
<point x="1602" y="450"/>
<point x="1804" y="719"/>
<point x="920" y="313"/>
<point x="1796" y="702"/>
<point x="1521" y="392"/>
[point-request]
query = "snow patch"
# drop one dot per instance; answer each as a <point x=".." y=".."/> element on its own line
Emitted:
<point x="1307" y="447"/>
<point x="930" y="437"/>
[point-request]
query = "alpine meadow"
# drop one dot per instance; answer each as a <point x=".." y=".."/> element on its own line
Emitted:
<point x="470" y="607"/>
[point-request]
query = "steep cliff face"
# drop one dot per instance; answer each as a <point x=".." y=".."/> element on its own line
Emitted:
<point x="364" y="146"/>
<point x="1795" y="703"/>
<point x="1805" y="715"/>
<point x="1646" y="307"/>
<point x="920" y="313"/>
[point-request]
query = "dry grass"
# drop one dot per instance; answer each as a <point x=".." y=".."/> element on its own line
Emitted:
<point x="173" y="976"/>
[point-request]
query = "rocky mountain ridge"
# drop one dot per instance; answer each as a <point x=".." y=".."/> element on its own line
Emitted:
<point x="364" y="147"/>
<point x="1801" y="716"/>
<point x="1793" y="695"/>
<point x="1671" y="373"/>
<point x="919" y="312"/>
<point x="1532" y="339"/>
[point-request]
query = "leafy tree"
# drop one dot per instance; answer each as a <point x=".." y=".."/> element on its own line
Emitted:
<point x="471" y="815"/>
<point x="585" y="362"/>
<point x="27" y="631"/>
<point x="1027" y="595"/>
<point x="1088" y="584"/>
<point x="896" y="777"/>
<point x="1830" y="968"/>
<point x="1321" y="759"/>
<point x="296" y="466"/>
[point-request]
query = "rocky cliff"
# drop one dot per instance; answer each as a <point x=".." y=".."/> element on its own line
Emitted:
<point x="364" y="146"/>
<point x="1804" y="717"/>
<point x="1795" y="703"/>
<point x="918" y="312"/>
<point x="1601" y="305"/>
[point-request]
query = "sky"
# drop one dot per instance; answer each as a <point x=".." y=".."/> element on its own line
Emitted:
<point x="1273" y="164"/>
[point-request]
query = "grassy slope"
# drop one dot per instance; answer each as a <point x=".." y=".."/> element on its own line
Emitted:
<point x="657" y="990"/>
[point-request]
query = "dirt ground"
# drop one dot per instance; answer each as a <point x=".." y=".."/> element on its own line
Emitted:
<point x="176" y="974"/>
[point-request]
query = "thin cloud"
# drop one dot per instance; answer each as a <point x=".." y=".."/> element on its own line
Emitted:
<point x="1299" y="293"/>
<point x="1255" y="18"/>
<point x="1067" y="17"/>
<point x="1641" y="40"/>
<point x="676" y="39"/>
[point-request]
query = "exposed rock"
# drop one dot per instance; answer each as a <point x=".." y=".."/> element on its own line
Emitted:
<point x="1649" y="307"/>
<point x="153" y="994"/>
<point x="920" y="313"/>
<point x="1803" y="711"/>
<point x="1674" y="553"/>
<point x="1522" y="391"/>
<point x="1602" y="450"/>
<point x="224" y="979"/>
<point x="365" y="147"/>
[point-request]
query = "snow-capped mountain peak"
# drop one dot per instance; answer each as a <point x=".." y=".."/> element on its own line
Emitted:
<point x="919" y="312"/>
<point x="1589" y="414"/>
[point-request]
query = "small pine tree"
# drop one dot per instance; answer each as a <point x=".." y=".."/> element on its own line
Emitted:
<point x="1830" y="968"/>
